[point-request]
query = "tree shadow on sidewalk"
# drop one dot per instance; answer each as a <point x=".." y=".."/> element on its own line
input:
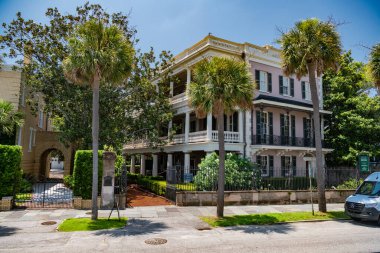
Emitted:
<point x="263" y="229"/>
<point x="7" y="231"/>
<point x="135" y="227"/>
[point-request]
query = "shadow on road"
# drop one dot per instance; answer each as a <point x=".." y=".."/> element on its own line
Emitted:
<point x="7" y="231"/>
<point x="263" y="229"/>
<point x="364" y="223"/>
<point x="135" y="227"/>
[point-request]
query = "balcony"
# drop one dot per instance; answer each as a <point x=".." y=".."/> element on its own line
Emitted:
<point x="201" y="136"/>
<point x="277" y="140"/>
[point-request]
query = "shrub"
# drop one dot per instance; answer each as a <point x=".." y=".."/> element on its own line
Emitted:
<point x="10" y="170"/>
<point x="154" y="185"/>
<point x="82" y="174"/>
<point x="118" y="165"/>
<point x="69" y="181"/>
<point x="240" y="173"/>
<point x="350" y="184"/>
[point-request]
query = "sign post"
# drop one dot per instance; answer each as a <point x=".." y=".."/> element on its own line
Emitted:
<point x="363" y="162"/>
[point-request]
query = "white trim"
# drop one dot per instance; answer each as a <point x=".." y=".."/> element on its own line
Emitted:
<point x="302" y="108"/>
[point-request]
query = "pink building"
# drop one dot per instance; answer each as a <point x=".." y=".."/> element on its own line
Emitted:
<point x="277" y="133"/>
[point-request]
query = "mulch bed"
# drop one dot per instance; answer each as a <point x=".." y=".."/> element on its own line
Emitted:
<point x="139" y="197"/>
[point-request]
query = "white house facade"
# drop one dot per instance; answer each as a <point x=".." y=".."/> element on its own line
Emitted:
<point x="277" y="133"/>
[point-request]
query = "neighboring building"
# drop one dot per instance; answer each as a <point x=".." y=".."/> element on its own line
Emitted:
<point x="36" y="136"/>
<point x="277" y="133"/>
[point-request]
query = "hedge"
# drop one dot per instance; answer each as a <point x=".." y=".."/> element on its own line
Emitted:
<point x="82" y="174"/>
<point x="10" y="170"/>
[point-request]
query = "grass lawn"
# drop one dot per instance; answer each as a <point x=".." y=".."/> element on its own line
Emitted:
<point x="271" y="218"/>
<point x="86" y="224"/>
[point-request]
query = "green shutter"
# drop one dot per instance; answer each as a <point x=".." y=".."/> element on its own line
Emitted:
<point x="294" y="165"/>
<point x="257" y="76"/>
<point x="258" y="127"/>
<point x="281" y="83"/>
<point x="269" y="82"/>
<point x="293" y="129"/>
<point x="270" y="115"/>
<point x="292" y="87"/>
<point x="303" y="90"/>
<point x="283" y="166"/>
<point x="271" y="166"/>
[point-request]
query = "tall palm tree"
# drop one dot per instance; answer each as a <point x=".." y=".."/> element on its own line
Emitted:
<point x="309" y="48"/>
<point x="97" y="53"/>
<point x="374" y="65"/>
<point x="219" y="86"/>
<point x="9" y="118"/>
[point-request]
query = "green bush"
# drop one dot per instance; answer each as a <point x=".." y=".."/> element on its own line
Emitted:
<point x="118" y="165"/>
<point x="350" y="184"/>
<point x="69" y="181"/>
<point x="284" y="183"/>
<point x="82" y="182"/>
<point x="10" y="170"/>
<point x="240" y="173"/>
<point x="154" y="185"/>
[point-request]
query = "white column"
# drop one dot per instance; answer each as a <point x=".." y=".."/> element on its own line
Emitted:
<point x="169" y="165"/>
<point x="170" y="127"/>
<point x="209" y="126"/>
<point x="322" y="128"/>
<point x="142" y="165"/>
<point x="187" y="127"/>
<point x="187" y="165"/>
<point x="240" y="126"/>
<point x="133" y="164"/>
<point x="155" y="165"/>
<point x="188" y="79"/>
<point x="171" y="89"/>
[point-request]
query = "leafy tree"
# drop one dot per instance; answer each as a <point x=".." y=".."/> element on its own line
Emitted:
<point x="310" y="48"/>
<point x="354" y="125"/>
<point x="9" y="118"/>
<point x="374" y="64"/>
<point x="219" y="86"/>
<point x="241" y="174"/>
<point x="97" y="53"/>
<point x="45" y="46"/>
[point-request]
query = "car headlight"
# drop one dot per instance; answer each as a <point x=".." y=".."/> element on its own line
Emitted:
<point x="371" y="205"/>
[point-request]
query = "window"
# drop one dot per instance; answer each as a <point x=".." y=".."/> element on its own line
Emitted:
<point x="19" y="140"/>
<point x="40" y="118"/>
<point x="263" y="81"/>
<point x="286" y="86"/>
<point x="31" y="133"/>
<point x="266" y="165"/>
<point x="306" y="93"/>
<point x="288" y="166"/>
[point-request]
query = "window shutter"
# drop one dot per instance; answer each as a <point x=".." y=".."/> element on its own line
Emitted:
<point x="270" y="115"/>
<point x="257" y="76"/>
<point x="282" y="124"/>
<point x="236" y="121"/>
<point x="292" y="87"/>
<point x="271" y="166"/>
<point x="269" y="82"/>
<point x="283" y="166"/>
<point x="281" y="85"/>
<point x="305" y="140"/>
<point x="303" y="90"/>
<point x="293" y="129"/>
<point x="258" y="127"/>
<point x="258" y="160"/>
<point x="294" y="165"/>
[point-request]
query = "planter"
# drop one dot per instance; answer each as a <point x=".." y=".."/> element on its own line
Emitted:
<point x="6" y="203"/>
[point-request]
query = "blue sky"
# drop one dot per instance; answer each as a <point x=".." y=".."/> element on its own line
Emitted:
<point x="177" y="24"/>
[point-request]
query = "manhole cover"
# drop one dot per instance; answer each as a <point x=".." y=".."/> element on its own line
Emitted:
<point x="48" y="223"/>
<point x="156" y="241"/>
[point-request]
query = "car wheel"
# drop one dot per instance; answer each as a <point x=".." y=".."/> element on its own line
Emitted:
<point x="378" y="221"/>
<point x="356" y="219"/>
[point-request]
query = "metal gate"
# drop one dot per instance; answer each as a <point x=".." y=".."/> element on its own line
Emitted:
<point x="49" y="194"/>
<point x="173" y="177"/>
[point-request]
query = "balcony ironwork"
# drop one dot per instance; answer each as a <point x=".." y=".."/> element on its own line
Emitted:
<point x="277" y="140"/>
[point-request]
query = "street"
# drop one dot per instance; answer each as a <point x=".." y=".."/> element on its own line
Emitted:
<point x="184" y="233"/>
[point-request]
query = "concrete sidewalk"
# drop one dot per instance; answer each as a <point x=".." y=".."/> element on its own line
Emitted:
<point x="155" y="212"/>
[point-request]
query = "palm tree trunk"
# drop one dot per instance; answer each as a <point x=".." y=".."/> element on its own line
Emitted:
<point x="95" y="143"/>
<point x="317" y="136"/>
<point x="220" y="196"/>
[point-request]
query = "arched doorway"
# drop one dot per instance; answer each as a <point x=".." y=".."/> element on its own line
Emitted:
<point x="52" y="164"/>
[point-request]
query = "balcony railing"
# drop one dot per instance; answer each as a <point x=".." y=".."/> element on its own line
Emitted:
<point x="277" y="140"/>
<point x="228" y="136"/>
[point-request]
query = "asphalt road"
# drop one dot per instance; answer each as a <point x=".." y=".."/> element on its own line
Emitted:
<point x="182" y="236"/>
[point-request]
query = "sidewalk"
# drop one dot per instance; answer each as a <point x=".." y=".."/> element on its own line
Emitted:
<point x="155" y="212"/>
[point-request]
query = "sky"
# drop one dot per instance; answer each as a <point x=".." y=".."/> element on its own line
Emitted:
<point x="178" y="24"/>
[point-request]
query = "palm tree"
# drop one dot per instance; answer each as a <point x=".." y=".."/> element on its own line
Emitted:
<point x="219" y="86"/>
<point x="97" y="53"/>
<point x="309" y="48"/>
<point x="374" y="65"/>
<point x="9" y="118"/>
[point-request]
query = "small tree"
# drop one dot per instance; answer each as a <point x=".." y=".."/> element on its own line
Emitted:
<point x="98" y="53"/>
<point x="219" y="86"/>
<point x="9" y="118"/>
<point x="310" y="48"/>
